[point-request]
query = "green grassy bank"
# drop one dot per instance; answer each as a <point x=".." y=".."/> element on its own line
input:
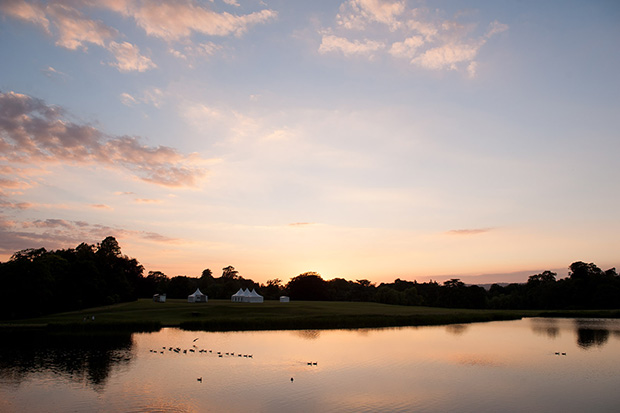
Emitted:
<point x="223" y="315"/>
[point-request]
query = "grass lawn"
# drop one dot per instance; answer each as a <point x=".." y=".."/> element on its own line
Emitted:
<point x="222" y="315"/>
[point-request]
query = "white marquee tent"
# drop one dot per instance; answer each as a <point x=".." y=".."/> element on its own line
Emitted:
<point x="197" y="297"/>
<point x="246" y="296"/>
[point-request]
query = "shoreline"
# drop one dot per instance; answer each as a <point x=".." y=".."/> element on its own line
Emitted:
<point x="222" y="315"/>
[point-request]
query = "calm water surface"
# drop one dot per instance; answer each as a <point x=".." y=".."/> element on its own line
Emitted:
<point x="483" y="367"/>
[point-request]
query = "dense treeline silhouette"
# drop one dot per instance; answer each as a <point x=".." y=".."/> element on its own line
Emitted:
<point x="37" y="282"/>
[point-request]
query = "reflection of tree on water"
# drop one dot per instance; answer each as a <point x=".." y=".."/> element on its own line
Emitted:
<point x="456" y="329"/>
<point x="587" y="337"/>
<point x="87" y="358"/>
<point x="591" y="333"/>
<point x="594" y="332"/>
<point x="545" y="326"/>
<point x="308" y="334"/>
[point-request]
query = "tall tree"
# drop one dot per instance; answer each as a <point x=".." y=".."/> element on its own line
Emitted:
<point x="307" y="286"/>
<point x="229" y="272"/>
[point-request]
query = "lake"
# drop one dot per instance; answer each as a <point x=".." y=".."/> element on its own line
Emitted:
<point x="535" y="364"/>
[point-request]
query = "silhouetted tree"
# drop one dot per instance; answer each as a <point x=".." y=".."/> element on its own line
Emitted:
<point x="307" y="286"/>
<point x="229" y="272"/>
<point x="68" y="279"/>
<point x="272" y="289"/>
<point x="156" y="282"/>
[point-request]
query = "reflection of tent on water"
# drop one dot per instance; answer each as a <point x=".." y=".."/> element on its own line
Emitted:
<point x="197" y="297"/>
<point x="246" y="296"/>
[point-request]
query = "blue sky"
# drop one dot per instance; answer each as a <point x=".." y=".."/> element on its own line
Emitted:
<point x="359" y="139"/>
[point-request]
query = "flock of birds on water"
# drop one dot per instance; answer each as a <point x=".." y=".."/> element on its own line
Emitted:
<point x="194" y="349"/>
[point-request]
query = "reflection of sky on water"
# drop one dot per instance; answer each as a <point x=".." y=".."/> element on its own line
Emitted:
<point x="475" y="367"/>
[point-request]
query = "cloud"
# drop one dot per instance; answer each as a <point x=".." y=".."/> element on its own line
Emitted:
<point x="447" y="56"/>
<point x="14" y="205"/>
<point x="192" y="51"/>
<point x="356" y="14"/>
<point x="33" y="13"/>
<point x="300" y="224"/>
<point x="408" y="48"/>
<point x="147" y="201"/>
<point x="32" y="132"/>
<point x="101" y="206"/>
<point x="53" y="73"/>
<point x="174" y="20"/>
<point x="69" y="23"/>
<point x="75" y="30"/>
<point x="331" y="43"/>
<point x="59" y="233"/>
<point x="425" y="38"/>
<point x="496" y="27"/>
<point x="153" y="96"/>
<point x="128" y="100"/>
<point x="474" y="231"/>
<point x="128" y="58"/>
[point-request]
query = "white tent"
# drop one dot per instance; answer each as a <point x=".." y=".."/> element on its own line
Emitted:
<point x="237" y="297"/>
<point x="197" y="297"/>
<point x="255" y="297"/>
<point x="246" y="296"/>
<point x="284" y="299"/>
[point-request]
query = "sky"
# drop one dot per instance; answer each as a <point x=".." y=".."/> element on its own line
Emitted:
<point x="360" y="139"/>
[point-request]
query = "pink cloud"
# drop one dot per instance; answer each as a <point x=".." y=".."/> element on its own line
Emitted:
<point x="67" y="21"/>
<point x="422" y="36"/>
<point x="75" y="30"/>
<point x="33" y="13"/>
<point x="32" y="132"/>
<point x="128" y="58"/>
<point x="174" y="20"/>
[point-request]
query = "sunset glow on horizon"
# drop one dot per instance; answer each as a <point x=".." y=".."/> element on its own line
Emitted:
<point x="360" y="139"/>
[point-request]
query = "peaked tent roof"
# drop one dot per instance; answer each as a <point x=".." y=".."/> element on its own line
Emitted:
<point x="239" y="293"/>
<point x="197" y="292"/>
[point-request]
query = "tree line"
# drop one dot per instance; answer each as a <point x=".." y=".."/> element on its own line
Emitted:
<point x="37" y="282"/>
